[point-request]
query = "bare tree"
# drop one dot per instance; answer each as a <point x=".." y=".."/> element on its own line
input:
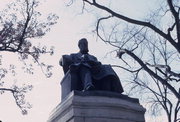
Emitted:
<point x="20" y="23"/>
<point x="149" y="49"/>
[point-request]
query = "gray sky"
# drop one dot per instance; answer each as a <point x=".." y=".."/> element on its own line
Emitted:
<point x="63" y="36"/>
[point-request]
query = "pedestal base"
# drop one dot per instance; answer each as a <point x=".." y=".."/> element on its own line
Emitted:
<point x="98" y="106"/>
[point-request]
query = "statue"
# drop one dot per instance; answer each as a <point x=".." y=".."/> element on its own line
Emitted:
<point x="87" y="73"/>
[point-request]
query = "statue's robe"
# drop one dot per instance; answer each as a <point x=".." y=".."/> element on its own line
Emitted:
<point x="104" y="77"/>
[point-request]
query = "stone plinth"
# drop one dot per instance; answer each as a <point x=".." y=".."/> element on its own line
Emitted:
<point x="98" y="106"/>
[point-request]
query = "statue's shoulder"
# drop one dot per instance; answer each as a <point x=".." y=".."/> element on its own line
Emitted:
<point x="74" y="54"/>
<point x="92" y="56"/>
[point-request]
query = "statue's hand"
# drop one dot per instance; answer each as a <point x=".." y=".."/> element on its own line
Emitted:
<point x="84" y="58"/>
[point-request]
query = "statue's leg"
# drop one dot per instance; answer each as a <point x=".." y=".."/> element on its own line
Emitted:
<point x="86" y="78"/>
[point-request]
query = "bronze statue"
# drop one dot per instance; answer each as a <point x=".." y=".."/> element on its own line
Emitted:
<point x="87" y="73"/>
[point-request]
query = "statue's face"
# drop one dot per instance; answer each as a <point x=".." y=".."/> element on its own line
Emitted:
<point x="83" y="46"/>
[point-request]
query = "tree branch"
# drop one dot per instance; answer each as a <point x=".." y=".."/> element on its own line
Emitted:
<point x="136" y="22"/>
<point x="176" y="16"/>
<point x="132" y="71"/>
<point x="164" y="82"/>
<point x="21" y="40"/>
<point x="177" y="108"/>
<point x="6" y="89"/>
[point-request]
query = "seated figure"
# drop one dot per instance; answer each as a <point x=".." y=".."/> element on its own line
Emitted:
<point x="87" y="73"/>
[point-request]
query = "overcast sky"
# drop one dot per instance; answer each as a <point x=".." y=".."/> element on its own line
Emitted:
<point x="63" y="36"/>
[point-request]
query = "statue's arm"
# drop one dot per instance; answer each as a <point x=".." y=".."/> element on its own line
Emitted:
<point x="65" y="62"/>
<point x="61" y="62"/>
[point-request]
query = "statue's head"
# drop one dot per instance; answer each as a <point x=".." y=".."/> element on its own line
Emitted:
<point x="83" y="45"/>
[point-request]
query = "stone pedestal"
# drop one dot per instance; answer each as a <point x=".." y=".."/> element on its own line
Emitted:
<point x="98" y="106"/>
